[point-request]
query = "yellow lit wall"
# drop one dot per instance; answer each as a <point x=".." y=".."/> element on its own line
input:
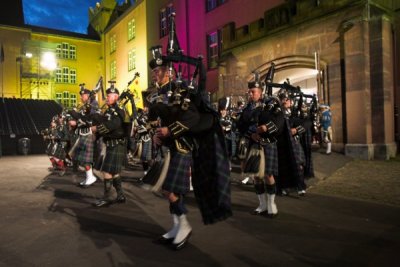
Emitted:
<point x="145" y="13"/>
<point x="88" y="63"/>
<point x="11" y="39"/>
<point x="120" y="30"/>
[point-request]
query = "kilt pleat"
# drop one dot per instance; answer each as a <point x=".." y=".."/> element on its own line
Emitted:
<point x="59" y="151"/>
<point x="146" y="151"/>
<point x="50" y="148"/>
<point x="84" y="149"/>
<point x="114" y="159"/>
<point x="271" y="159"/>
<point x="178" y="175"/>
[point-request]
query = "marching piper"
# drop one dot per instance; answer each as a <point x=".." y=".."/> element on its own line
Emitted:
<point x="82" y="151"/>
<point x="112" y="131"/>
<point x="261" y="122"/>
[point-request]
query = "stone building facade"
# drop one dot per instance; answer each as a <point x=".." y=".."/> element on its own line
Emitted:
<point x="350" y="45"/>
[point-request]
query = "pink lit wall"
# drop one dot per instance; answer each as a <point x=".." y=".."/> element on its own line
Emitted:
<point x="193" y="24"/>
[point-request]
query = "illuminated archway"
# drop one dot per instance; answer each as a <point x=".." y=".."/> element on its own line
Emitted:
<point x="301" y="71"/>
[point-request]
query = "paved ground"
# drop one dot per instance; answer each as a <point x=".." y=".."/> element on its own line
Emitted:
<point x="377" y="181"/>
<point x="350" y="217"/>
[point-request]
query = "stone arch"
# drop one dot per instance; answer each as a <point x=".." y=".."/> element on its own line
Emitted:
<point x="296" y="66"/>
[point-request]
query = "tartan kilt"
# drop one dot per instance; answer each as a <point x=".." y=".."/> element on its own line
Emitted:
<point x="83" y="149"/>
<point x="298" y="152"/>
<point x="271" y="159"/>
<point x="50" y="148"/>
<point x="114" y="158"/>
<point x="146" y="150"/>
<point x="59" y="151"/>
<point x="178" y="176"/>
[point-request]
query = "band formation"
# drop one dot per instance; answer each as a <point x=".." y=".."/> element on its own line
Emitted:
<point x="185" y="144"/>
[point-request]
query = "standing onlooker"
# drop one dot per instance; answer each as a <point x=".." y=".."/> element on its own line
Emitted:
<point x="326" y="121"/>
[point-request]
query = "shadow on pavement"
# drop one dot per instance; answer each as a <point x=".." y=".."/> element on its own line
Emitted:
<point x="124" y="227"/>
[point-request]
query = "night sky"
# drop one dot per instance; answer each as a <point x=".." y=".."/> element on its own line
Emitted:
<point x="71" y="15"/>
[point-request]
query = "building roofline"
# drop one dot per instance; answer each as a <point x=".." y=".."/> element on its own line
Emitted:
<point x="37" y="29"/>
<point x="132" y="7"/>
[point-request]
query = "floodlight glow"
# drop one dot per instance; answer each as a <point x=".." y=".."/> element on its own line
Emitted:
<point x="48" y="61"/>
<point x="28" y="55"/>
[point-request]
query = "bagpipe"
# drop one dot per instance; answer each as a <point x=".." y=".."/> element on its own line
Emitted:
<point x="98" y="88"/>
<point x="302" y="108"/>
<point x="226" y="119"/>
<point x="250" y="123"/>
<point x="128" y="96"/>
<point x="252" y="153"/>
<point x="125" y="97"/>
<point x="47" y="133"/>
<point x="89" y="113"/>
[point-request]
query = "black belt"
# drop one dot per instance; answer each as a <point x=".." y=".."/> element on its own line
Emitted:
<point x="114" y="142"/>
<point x="267" y="140"/>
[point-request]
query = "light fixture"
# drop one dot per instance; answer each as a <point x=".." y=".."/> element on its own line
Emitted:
<point x="48" y="61"/>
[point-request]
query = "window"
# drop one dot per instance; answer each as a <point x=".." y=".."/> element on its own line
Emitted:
<point x="72" y="76"/>
<point x="113" y="70"/>
<point x="58" y="51"/>
<point x="72" y="100"/>
<point x="132" y="60"/>
<point x="65" y="99"/>
<point x="65" y="50"/>
<point x="65" y="74"/>
<point x="131" y="29"/>
<point x="213" y="4"/>
<point x="214" y="48"/>
<point x="59" y="98"/>
<point x="72" y="52"/>
<point x="58" y="75"/>
<point x="113" y="43"/>
<point x="165" y="14"/>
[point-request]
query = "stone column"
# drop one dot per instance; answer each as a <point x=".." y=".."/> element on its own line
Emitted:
<point x="369" y="89"/>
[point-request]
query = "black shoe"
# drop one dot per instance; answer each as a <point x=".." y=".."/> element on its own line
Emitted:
<point x="301" y="193"/>
<point x="120" y="199"/>
<point x="256" y="212"/>
<point x="164" y="241"/>
<point x="85" y="185"/>
<point x="102" y="203"/>
<point x="272" y="215"/>
<point x="181" y="244"/>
